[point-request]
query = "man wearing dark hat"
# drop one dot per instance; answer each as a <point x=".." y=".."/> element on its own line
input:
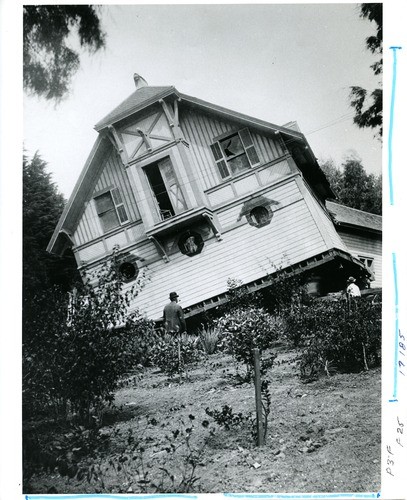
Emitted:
<point x="174" y="321"/>
<point x="352" y="290"/>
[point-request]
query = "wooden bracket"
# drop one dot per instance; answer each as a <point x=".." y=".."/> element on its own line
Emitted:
<point x="160" y="248"/>
<point x="213" y="226"/>
<point x="167" y="112"/>
<point x="119" y="144"/>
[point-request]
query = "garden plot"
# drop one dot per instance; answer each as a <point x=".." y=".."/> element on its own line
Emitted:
<point x="323" y="436"/>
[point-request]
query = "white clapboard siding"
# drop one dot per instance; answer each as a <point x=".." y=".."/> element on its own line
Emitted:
<point x="200" y="130"/>
<point x="246" y="253"/>
<point x="284" y="195"/>
<point x="365" y="246"/>
<point x="91" y="252"/>
<point x="112" y="174"/>
<point x="88" y="227"/>
<point x="325" y="223"/>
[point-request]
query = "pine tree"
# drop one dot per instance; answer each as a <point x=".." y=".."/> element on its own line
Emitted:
<point x="42" y="207"/>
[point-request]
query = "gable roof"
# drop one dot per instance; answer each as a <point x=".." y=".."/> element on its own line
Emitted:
<point x="74" y="208"/>
<point x="139" y="99"/>
<point x="351" y="217"/>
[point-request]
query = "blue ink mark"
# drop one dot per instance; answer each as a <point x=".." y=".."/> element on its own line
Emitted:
<point x="396" y="314"/>
<point x="390" y="143"/>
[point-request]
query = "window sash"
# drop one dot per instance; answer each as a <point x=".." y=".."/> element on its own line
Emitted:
<point x="110" y="209"/>
<point x="228" y="164"/>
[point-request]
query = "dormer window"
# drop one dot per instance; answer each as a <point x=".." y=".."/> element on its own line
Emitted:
<point x="235" y="153"/>
<point x="165" y="188"/>
<point x="110" y="209"/>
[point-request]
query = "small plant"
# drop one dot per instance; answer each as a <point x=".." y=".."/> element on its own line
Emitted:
<point x="173" y="353"/>
<point x="209" y="339"/>
<point x="227" y="418"/>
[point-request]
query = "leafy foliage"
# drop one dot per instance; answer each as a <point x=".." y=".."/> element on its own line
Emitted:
<point x="49" y="61"/>
<point x="74" y="361"/>
<point x="335" y="334"/>
<point x="172" y="353"/>
<point x="244" y="329"/>
<point x="209" y="339"/>
<point x="369" y="106"/>
<point x="353" y="186"/>
<point x="229" y="419"/>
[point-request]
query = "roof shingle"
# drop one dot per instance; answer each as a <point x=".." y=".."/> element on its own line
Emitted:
<point x="346" y="215"/>
<point x="138" y="99"/>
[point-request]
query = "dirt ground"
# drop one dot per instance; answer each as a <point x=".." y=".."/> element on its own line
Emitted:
<point x="323" y="436"/>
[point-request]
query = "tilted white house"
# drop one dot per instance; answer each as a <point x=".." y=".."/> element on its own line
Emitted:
<point x="195" y="194"/>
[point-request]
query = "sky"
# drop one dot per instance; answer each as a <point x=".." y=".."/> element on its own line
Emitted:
<point x="275" y="62"/>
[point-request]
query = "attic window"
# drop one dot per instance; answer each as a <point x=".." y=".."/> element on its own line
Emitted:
<point x="235" y="153"/>
<point x="259" y="216"/>
<point x="110" y="209"/>
<point x="128" y="270"/>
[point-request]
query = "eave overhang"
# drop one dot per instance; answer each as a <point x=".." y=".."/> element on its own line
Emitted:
<point x="300" y="267"/>
<point x="76" y="204"/>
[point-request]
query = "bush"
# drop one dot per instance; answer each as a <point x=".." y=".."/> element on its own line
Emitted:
<point x="331" y="334"/>
<point x="171" y="353"/>
<point x="73" y="361"/>
<point x="244" y="329"/>
<point x="141" y="340"/>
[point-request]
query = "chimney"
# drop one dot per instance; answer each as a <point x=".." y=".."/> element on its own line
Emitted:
<point x="139" y="81"/>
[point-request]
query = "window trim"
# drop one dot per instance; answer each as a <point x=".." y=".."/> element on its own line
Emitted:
<point x="372" y="268"/>
<point x="116" y="206"/>
<point x="222" y="162"/>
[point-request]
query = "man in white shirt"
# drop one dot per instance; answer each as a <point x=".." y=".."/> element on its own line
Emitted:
<point x="352" y="290"/>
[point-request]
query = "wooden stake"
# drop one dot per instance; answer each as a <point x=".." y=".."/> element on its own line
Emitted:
<point x="257" y="390"/>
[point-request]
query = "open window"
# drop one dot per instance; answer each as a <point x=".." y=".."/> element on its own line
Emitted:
<point x="235" y="153"/>
<point x="110" y="209"/>
<point x="166" y="190"/>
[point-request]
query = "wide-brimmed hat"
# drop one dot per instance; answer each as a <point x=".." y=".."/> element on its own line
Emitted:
<point x="173" y="295"/>
<point x="351" y="279"/>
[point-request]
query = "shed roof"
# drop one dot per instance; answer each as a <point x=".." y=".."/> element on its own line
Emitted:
<point x="344" y="215"/>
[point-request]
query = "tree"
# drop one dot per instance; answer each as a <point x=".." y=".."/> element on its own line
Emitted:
<point x="48" y="62"/>
<point x="353" y="186"/>
<point x="42" y="207"/>
<point x="369" y="106"/>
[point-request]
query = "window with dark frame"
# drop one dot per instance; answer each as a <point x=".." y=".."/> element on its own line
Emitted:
<point x="128" y="270"/>
<point x="110" y="209"/>
<point x="235" y="153"/>
<point x="369" y="263"/>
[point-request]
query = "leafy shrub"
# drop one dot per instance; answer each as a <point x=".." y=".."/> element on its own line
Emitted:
<point x="74" y="361"/>
<point x="244" y="329"/>
<point x="333" y="334"/>
<point x="227" y="418"/>
<point x="209" y="339"/>
<point x="172" y="353"/>
<point x="141" y="340"/>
